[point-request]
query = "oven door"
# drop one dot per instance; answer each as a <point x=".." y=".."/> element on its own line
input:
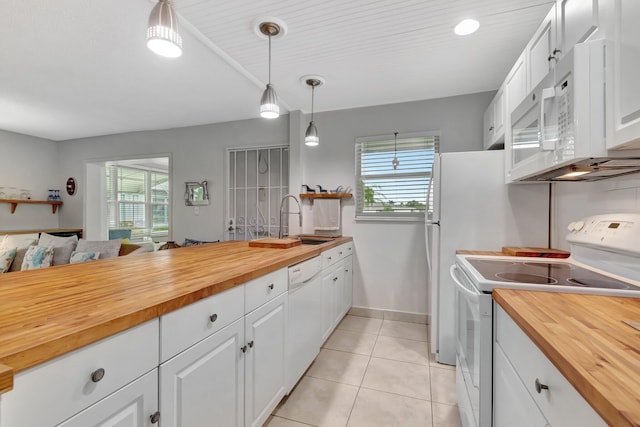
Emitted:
<point x="474" y="341"/>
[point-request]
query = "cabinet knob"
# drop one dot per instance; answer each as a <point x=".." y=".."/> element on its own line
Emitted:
<point x="540" y="386"/>
<point x="491" y="129"/>
<point x="335" y="278"/>
<point x="155" y="417"/>
<point x="329" y="258"/>
<point x="270" y="287"/>
<point x="97" y="375"/>
<point x="243" y="348"/>
<point x="340" y="253"/>
<point x="251" y="344"/>
<point x="346" y="270"/>
<point x="213" y="317"/>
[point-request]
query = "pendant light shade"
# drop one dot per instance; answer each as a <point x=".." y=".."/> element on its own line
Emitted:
<point x="163" y="37"/>
<point x="269" y="108"/>
<point x="311" y="137"/>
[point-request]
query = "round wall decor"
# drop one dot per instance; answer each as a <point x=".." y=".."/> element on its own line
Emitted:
<point x="71" y="186"/>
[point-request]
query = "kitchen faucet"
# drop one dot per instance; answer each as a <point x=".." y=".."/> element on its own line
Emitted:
<point x="281" y="232"/>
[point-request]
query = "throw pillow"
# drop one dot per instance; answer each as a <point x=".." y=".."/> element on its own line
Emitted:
<point x="62" y="247"/>
<point x="21" y="242"/>
<point x="77" y="257"/>
<point x="6" y="258"/>
<point x="106" y="248"/>
<point x="37" y="257"/>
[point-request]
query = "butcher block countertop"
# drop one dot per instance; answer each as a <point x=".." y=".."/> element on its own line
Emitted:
<point x="585" y="338"/>
<point x="48" y="312"/>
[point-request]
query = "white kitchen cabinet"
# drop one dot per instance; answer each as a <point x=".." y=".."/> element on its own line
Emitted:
<point x="517" y="83"/>
<point x="623" y="101"/>
<point x="534" y="380"/>
<point x="336" y="288"/>
<point x="339" y="293"/>
<point x="328" y="296"/>
<point x="265" y="363"/>
<point x="204" y="385"/>
<point x="135" y="405"/>
<point x="348" y="285"/>
<point x="495" y="120"/>
<point x="542" y="50"/>
<point x="576" y="21"/>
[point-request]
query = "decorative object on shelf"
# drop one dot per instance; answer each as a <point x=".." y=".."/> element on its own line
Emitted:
<point x="269" y="107"/>
<point x="71" y="186"/>
<point x="196" y="194"/>
<point x="163" y="37"/>
<point x="395" y="162"/>
<point x="311" y="137"/>
<point x="306" y="189"/>
<point x="25" y="194"/>
<point x="169" y="245"/>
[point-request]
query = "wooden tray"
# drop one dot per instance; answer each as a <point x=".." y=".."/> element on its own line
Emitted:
<point x="275" y="243"/>
<point x="535" y="252"/>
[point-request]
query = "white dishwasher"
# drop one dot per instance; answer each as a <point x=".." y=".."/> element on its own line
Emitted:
<point x="305" y="318"/>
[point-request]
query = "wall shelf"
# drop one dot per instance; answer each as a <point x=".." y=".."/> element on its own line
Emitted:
<point x="15" y="202"/>
<point x="326" y="196"/>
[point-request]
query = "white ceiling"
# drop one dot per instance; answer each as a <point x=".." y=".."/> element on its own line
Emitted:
<point x="79" y="68"/>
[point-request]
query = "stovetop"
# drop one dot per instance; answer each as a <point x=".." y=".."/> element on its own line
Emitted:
<point x="546" y="274"/>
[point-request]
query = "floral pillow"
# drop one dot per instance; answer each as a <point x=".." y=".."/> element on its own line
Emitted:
<point x="37" y="257"/>
<point x="78" y="257"/>
<point x="6" y="258"/>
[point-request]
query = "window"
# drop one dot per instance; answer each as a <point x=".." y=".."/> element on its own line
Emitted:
<point x="383" y="191"/>
<point x="138" y="200"/>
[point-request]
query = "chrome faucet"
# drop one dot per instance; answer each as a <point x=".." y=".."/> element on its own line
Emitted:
<point x="281" y="231"/>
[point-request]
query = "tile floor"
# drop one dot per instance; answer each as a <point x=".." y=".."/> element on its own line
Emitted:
<point x="370" y="373"/>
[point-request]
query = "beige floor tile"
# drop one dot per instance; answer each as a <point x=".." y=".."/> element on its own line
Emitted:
<point x="407" y="379"/>
<point x="367" y="325"/>
<point x="319" y="403"/>
<point x="401" y="349"/>
<point x="352" y="342"/>
<point x="378" y="409"/>
<point x="445" y="415"/>
<point x="283" y="422"/>
<point x="338" y="366"/>
<point x="411" y="331"/>
<point x="443" y="386"/>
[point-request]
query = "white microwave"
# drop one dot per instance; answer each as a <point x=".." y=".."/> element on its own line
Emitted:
<point x="558" y="132"/>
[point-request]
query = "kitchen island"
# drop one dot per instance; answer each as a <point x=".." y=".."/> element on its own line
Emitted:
<point x="49" y="312"/>
<point x="586" y="339"/>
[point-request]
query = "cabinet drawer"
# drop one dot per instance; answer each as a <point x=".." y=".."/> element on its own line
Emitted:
<point x="264" y="288"/>
<point x="51" y="392"/>
<point x="561" y="404"/>
<point x="345" y="250"/>
<point x="182" y="328"/>
<point x="329" y="257"/>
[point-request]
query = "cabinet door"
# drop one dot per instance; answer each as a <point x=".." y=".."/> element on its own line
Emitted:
<point x="499" y="115"/>
<point x="338" y="293"/>
<point x="265" y="377"/>
<point x="623" y="107"/>
<point x="328" y="292"/>
<point x="541" y="48"/>
<point x="204" y="385"/>
<point x="131" y="406"/>
<point x="348" y="284"/>
<point x="577" y="20"/>
<point x="517" y="87"/>
<point x="488" y="126"/>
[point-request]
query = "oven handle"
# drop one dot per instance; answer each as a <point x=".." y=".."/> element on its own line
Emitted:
<point x="471" y="295"/>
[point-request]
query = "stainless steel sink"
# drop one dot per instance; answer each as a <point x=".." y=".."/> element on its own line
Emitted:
<point x="315" y="240"/>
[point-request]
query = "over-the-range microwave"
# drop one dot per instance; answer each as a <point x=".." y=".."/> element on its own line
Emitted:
<point x="559" y="131"/>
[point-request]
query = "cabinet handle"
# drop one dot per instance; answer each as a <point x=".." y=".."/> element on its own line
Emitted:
<point x="340" y="253"/>
<point x="97" y="375"/>
<point x="251" y="344"/>
<point x="335" y="278"/>
<point x="213" y="317"/>
<point x="155" y="417"/>
<point x="270" y="287"/>
<point x="540" y="386"/>
<point x="346" y="270"/>
<point x="329" y="258"/>
<point x="491" y="129"/>
<point x="243" y="348"/>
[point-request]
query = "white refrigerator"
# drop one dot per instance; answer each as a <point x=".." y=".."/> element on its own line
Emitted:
<point x="471" y="208"/>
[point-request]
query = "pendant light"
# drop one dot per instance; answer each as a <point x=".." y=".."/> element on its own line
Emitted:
<point x="395" y="162"/>
<point x="163" y="37"/>
<point x="269" y="108"/>
<point x="311" y="137"/>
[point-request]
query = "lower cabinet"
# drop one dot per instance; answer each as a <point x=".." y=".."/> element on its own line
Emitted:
<point x="204" y="385"/>
<point x="337" y="292"/>
<point x="134" y="405"/>
<point x="347" y="296"/>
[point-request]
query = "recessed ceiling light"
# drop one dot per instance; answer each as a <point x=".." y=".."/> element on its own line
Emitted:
<point x="467" y="26"/>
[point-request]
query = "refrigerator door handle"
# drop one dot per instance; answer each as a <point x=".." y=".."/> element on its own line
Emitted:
<point x="470" y="294"/>
<point x="430" y="222"/>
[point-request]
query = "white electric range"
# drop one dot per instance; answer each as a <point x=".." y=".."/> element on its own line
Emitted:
<point x="605" y="260"/>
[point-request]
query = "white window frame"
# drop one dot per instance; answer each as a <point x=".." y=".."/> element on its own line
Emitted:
<point x="389" y="216"/>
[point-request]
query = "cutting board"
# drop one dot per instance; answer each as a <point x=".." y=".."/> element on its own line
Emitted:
<point x="535" y="252"/>
<point x="274" y="243"/>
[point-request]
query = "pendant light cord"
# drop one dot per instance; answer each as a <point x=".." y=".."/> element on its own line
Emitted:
<point x="269" y="57"/>
<point x="313" y="91"/>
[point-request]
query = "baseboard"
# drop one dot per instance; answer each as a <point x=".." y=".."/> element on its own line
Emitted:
<point x="401" y="316"/>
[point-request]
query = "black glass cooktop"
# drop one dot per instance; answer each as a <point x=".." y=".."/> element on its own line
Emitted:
<point x="544" y="273"/>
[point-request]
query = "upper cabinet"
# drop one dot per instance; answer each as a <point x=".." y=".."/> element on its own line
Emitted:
<point x="576" y="21"/>
<point x="542" y="49"/>
<point x="494" y="120"/>
<point x="623" y="101"/>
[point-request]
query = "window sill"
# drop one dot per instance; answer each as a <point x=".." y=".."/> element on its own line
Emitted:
<point x="403" y="219"/>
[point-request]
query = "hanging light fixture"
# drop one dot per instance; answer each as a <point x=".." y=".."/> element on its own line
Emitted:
<point x="269" y="108"/>
<point x="311" y="137"/>
<point x="395" y="162"/>
<point x="163" y="37"/>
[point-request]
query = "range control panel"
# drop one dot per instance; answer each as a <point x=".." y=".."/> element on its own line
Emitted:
<point x="614" y="232"/>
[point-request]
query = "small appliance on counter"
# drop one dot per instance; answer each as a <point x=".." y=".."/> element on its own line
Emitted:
<point x="605" y="260"/>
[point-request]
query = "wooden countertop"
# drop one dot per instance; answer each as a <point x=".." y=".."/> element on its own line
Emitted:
<point x="585" y="338"/>
<point x="48" y="312"/>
